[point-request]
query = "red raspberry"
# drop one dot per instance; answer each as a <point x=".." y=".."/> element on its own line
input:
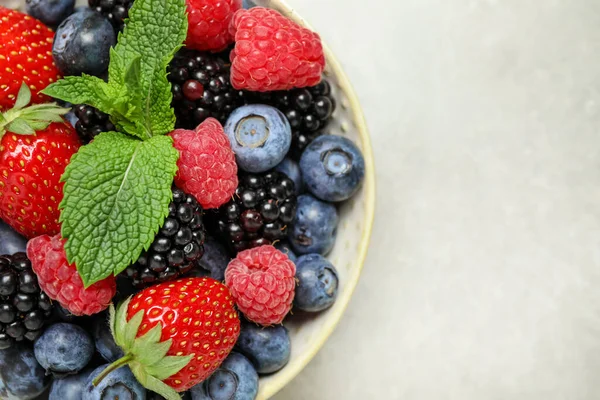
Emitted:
<point x="273" y="53"/>
<point x="262" y="282"/>
<point x="207" y="168"/>
<point x="209" y="21"/>
<point x="62" y="282"/>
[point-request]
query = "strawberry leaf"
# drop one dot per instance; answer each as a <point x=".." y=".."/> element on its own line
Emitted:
<point x="116" y="196"/>
<point x="168" y="366"/>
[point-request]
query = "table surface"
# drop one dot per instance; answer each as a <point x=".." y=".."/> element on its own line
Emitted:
<point x="482" y="276"/>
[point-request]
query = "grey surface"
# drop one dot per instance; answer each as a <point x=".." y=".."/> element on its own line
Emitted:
<point x="483" y="276"/>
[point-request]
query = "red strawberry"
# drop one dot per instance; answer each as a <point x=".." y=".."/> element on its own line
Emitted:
<point x="34" y="151"/>
<point x="207" y="167"/>
<point x="209" y="21"/>
<point x="174" y="335"/>
<point x="25" y="56"/>
<point x="62" y="283"/>
<point x="272" y="52"/>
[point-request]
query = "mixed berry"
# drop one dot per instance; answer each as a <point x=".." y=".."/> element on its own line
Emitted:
<point x="162" y="222"/>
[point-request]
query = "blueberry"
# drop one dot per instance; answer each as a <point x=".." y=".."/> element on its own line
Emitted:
<point x="10" y="241"/>
<point x="314" y="228"/>
<point x="104" y="341"/>
<point x="260" y="136"/>
<point x="119" y="384"/>
<point x="69" y="387"/>
<point x="82" y="44"/>
<point x="248" y="4"/>
<point x="317" y="283"/>
<point x="50" y="12"/>
<point x="215" y="259"/>
<point x="332" y="168"/>
<point x="64" y="348"/>
<point x="292" y="170"/>
<point x="287" y="249"/>
<point x="236" y="379"/>
<point x="267" y="347"/>
<point x="21" y="376"/>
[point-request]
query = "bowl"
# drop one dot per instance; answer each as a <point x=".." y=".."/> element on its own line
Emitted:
<point x="309" y="333"/>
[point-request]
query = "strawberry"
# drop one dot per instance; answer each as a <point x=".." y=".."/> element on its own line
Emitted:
<point x="25" y="56"/>
<point x="36" y="146"/>
<point x="176" y="334"/>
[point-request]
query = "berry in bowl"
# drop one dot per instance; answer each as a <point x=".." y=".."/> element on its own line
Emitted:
<point x="187" y="193"/>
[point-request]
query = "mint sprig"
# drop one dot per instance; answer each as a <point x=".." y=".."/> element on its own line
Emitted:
<point x="116" y="196"/>
<point x="118" y="188"/>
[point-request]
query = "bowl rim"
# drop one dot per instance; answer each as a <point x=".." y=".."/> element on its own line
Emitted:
<point x="288" y="374"/>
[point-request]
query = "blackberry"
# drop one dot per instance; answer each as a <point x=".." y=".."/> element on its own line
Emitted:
<point x="201" y="88"/>
<point x="91" y="122"/>
<point x="308" y="110"/>
<point x="114" y="10"/>
<point x="24" y="308"/>
<point x="260" y="211"/>
<point x="176" y="248"/>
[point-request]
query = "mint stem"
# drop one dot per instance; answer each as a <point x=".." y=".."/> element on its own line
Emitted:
<point x="116" y="365"/>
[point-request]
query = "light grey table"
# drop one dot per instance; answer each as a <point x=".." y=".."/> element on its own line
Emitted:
<point x="483" y="278"/>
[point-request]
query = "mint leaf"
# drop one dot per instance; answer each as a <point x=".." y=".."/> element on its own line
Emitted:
<point x="83" y="89"/>
<point x="116" y="196"/>
<point x="155" y="31"/>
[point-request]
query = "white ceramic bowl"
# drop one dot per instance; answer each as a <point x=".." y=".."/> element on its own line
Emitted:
<point x="308" y="334"/>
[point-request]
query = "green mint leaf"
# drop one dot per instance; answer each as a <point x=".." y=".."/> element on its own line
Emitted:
<point x="116" y="196"/>
<point x="83" y="89"/>
<point x="155" y="31"/>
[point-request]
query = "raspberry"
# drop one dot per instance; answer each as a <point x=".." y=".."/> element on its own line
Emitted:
<point x="207" y="168"/>
<point x="273" y="53"/>
<point x="262" y="283"/>
<point x="62" y="282"/>
<point x="209" y="21"/>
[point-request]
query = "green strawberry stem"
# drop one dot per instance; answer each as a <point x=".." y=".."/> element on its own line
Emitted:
<point x="116" y="365"/>
<point x="145" y="354"/>
<point x="24" y="120"/>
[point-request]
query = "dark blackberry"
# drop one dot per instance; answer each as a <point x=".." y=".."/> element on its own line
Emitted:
<point x="176" y="248"/>
<point x="114" y="10"/>
<point x="309" y="110"/>
<point x="24" y="308"/>
<point x="201" y="88"/>
<point x="260" y="211"/>
<point x="91" y="122"/>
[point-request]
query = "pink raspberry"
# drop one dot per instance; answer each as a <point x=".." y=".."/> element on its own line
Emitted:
<point x="209" y="21"/>
<point x="262" y="283"/>
<point x="207" y="168"/>
<point x="273" y="53"/>
<point x="62" y="282"/>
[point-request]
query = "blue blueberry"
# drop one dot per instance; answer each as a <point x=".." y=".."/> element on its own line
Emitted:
<point x="119" y="384"/>
<point x="21" y="376"/>
<point x="69" y="387"/>
<point x="236" y="379"/>
<point x="267" y="347"/>
<point x="314" y="228"/>
<point x="287" y="249"/>
<point x="332" y="168"/>
<point x="248" y="4"/>
<point x="292" y="170"/>
<point x="50" y="12"/>
<point x="317" y="283"/>
<point x="64" y="348"/>
<point x="82" y="44"/>
<point x="215" y="259"/>
<point x="104" y="341"/>
<point x="260" y="136"/>
<point x="10" y="241"/>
